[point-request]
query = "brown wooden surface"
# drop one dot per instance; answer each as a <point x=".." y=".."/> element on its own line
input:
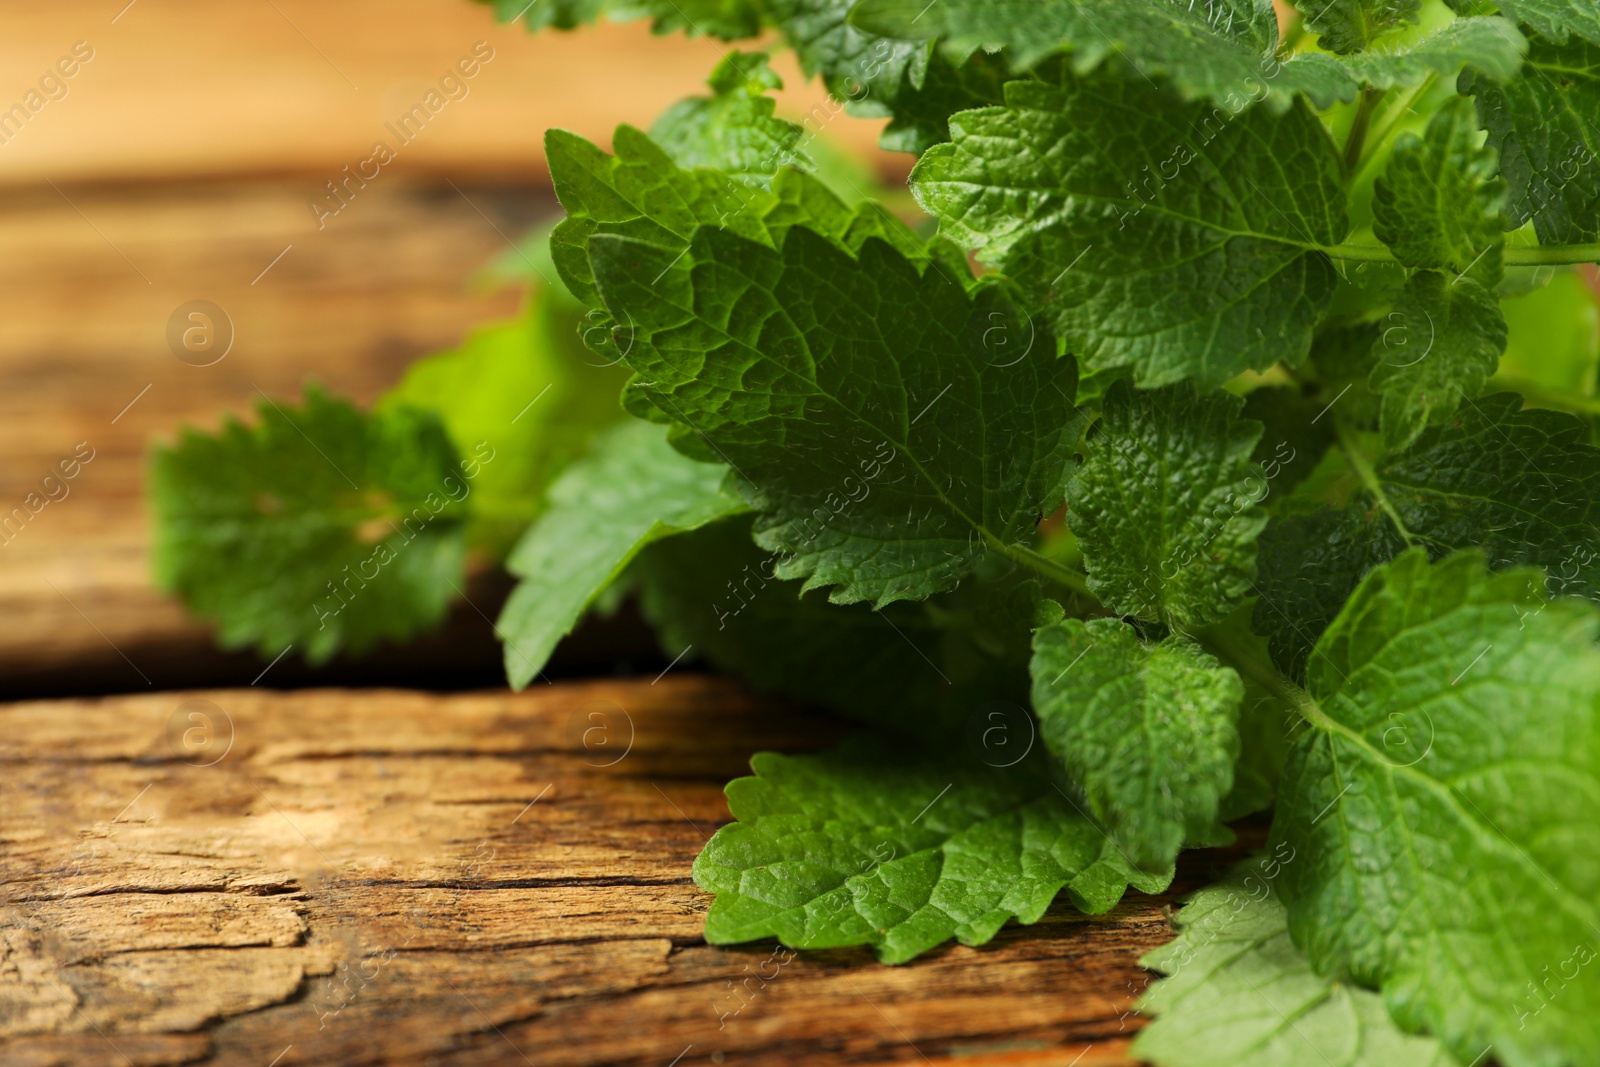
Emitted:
<point x="387" y="876"/>
<point x="89" y="276"/>
<point x="184" y="88"/>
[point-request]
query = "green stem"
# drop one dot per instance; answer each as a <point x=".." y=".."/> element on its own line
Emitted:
<point x="1377" y="138"/>
<point x="1244" y="659"/>
<point x="1526" y="256"/>
<point x="1046" y="568"/>
<point x="1359" y="125"/>
<point x="1369" y="477"/>
<point x="1548" y="396"/>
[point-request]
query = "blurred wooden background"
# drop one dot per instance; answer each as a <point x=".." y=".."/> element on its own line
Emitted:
<point x="180" y="165"/>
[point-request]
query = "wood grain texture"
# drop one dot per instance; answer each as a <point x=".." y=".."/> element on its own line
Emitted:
<point x="90" y="275"/>
<point x="341" y="877"/>
<point x="189" y="88"/>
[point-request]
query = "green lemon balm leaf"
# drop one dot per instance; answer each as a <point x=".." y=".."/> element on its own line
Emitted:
<point x="1545" y="127"/>
<point x="522" y="399"/>
<point x="321" y="527"/>
<point x="1149" y="731"/>
<point x="1441" y="343"/>
<point x="1165" y="504"/>
<point x="875" y="843"/>
<point x="889" y="427"/>
<point x="1170" y="237"/>
<point x="632" y="490"/>
<point x="1220" y="51"/>
<point x="1237" y="993"/>
<point x="1440" y="202"/>
<point x="1524" y="486"/>
<point x="732" y="131"/>
<point x="1444" y="808"/>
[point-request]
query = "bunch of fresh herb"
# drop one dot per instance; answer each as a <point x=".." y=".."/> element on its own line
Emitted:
<point x="1256" y="459"/>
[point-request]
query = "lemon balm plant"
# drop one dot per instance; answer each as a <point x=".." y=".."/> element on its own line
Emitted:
<point x="1221" y="443"/>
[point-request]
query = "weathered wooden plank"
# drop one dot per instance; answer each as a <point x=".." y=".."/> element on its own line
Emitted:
<point x="89" y="277"/>
<point x="189" y="88"/>
<point x="338" y="877"/>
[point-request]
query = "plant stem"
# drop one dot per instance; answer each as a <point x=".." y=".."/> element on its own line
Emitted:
<point x="1046" y="568"/>
<point x="1549" y="396"/>
<point x="1376" y="138"/>
<point x="1246" y="661"/>
<point x="1534" y="256"/>
<point x="1358" y="127"/>
<point x="1369" y="477"/>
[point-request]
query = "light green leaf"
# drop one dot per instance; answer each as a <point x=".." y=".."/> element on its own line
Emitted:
<point x="732" y="131"/>
<point x="1149" y="731"/>
<point x="1237" y="993"/>
<point x="633" y="489"/>
<point x="1493" y="47"/>
<point x="1222" y="52"/>
<point x="1440" y="203"/>
<point x="1552" y="19"/>
<point x="874" y="843"/>
<point x="1171" y="237"/>
<point x="1165" y="505"/>
<point x="523" y="399"/>
<point x="1439" y="346"/>
<point x="321" y="527"/>
<point x="1522" y="485"/>
<point x="1351" y="25"/>
<point x="1545" y="126"/>
<point x="890" y="427"/>
<point x="1444" y="809"/>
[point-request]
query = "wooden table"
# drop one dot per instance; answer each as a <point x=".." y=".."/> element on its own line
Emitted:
<point x="337" y="877"/>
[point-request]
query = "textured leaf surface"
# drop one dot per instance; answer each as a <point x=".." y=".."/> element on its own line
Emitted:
<point x="1440" y="202"/>
<point x="643" y="194"/>
<point x="1351" y="25"/>
<point x="1221" y="51"/>
<point x="874" y="413"/>
<point x="1493" y="47"/>
<point x="733" y="130"/>
<point x="632" y="490"/>
<point x="1553" y="19"/>
<point x="1445" y="808"/>
<point x="876" y="77"/>
<point x="321" y="527"/>
<point x="1239" y="994"/>
<point x="1156" y="234"/>
<point x="1545" y="126"/>
<point x="1443" y="340"/>
<point x="1164" y="505"/>
<point x="874" y="844"/>
<point x="1522" y="485"/>
<point x="1150" y="732"/>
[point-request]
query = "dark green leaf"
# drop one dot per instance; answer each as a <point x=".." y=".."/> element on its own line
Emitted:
<point x="1171" y="237"/>
<point x="1165" y="505"/>
<point x="1522" y="485"/>
<point x="890" y="427"/>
